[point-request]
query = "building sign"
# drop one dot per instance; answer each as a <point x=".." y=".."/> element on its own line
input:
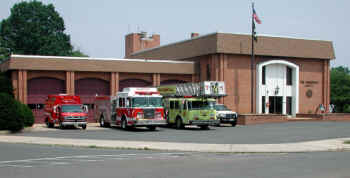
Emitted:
<point x="310" y="83"/>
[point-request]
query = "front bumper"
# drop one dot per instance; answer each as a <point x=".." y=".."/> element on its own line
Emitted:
<point x="227" y="120"/>
<point x="77" y="124"/>
<point x="147" y="122"/>
<point x="204" y="122"/>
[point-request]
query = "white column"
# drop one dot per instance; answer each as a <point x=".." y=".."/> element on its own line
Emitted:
<point x="258" y="89"/>
<point x="295" y="98"/>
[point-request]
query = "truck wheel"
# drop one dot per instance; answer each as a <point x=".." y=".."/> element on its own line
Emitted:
<point x="49" y="124"/>
<point x="124" y="124"/>
<point x="83" y="126"/>
<point x="204" y="127"/>
<point x="179" y="124"/>
<point x="102" y="122"/>
<point x="61" y="126"/>
<point x="234" y="123"/>
<point x="152" y="128"/>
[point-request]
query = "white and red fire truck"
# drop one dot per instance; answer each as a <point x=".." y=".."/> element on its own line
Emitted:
<point x="65" y="110"/>
<point x="133" y="107"/>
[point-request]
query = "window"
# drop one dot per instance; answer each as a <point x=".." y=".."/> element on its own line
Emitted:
<point x="263" y="75"/>
<point x="208" y="72"/>
<point x="147" y="102"/>
<point x="128" y="102"/>
<point x="177" y="106"/>
<point x="202" y="105"/>
<point x="289" y="76"/>
<point x="289" y="105"/>
<point x="36" y="106"/>
<point x="122" y="102"/>
<point x="263" y="104"/>
<point x="172" y="104"/>
<point x="185" y="106"/>
<point x="72" y="108"/>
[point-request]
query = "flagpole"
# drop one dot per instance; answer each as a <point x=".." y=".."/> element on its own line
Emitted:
<point x="252" y="64"/>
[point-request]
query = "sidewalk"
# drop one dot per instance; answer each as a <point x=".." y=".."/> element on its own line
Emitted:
<point x="310" y="146"/>
<point x="43" y="127"/>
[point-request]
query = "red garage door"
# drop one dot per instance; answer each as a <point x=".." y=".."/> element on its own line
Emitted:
<point x="88" y="88"/>
<point x="133" y="83"/>
<point x="38" y="89"/>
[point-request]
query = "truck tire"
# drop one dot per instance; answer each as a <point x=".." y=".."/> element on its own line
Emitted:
<point x="179" y="124"/>
<point x="83" y="126"/>
<point x="61" y="126"/>
<point x="124" y="124"/>
<point x="102" y="121"/>
<point x="152" y="128"/>
<point x="234" y="123"/>
<point x="49" y="124"/>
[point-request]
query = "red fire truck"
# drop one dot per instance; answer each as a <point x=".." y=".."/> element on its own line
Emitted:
<point x="133" y="107"/>
<point x="65" y="110"/>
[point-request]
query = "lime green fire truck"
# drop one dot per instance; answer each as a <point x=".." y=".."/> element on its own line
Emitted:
<point x="192" y="103"/>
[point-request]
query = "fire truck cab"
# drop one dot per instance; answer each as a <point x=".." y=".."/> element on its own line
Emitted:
<point x="133" y="107"/>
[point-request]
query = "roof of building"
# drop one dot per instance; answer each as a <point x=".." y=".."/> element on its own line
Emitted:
<point x="240" y="44"/>
<point x="63" y="63"/>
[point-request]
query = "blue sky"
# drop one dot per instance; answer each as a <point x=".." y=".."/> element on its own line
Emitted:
<point x="98" y="27"/>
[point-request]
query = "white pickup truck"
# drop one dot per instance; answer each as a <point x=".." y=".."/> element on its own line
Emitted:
<point x="225" y="115"/>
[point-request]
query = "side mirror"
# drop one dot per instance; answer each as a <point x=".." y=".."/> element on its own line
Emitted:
<point x="55" y="109"/>
<point x="85" y="108"/>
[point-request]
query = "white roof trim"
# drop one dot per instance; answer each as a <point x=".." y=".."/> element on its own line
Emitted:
<point x="106" y="59"/>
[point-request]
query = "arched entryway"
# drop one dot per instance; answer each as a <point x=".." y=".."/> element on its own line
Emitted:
<point x="38" y="89"/>
<point x="88" y="88"/>
<point x="133" y="83"/>
<point x="277" y="87"/>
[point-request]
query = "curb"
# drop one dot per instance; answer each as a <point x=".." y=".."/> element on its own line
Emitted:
<point x="311" y="146"/>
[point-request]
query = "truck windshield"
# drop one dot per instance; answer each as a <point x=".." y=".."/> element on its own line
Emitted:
<point x="147" y="102"/>
<point x="221" y="108"/>
<point x="201" y="105"/>
<point x="72" y="108"/>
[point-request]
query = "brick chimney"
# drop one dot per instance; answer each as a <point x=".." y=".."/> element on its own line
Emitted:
<point x="138" y="41"/>
<point x="193" y="35"/>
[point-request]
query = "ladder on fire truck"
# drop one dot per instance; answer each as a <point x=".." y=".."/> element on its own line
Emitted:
<point x="213" y="89"/>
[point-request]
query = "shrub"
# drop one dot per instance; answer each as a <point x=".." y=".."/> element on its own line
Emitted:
<point x="10" y="118"/>
<point x="26" y="114"/>
<point x="346" y="108"/>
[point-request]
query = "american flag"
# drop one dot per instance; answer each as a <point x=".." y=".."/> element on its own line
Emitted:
<point x="256" y="18"/>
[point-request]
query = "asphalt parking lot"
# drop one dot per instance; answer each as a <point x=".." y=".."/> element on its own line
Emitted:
<point x="40" y="161"/>
<point x="252" y="134"/>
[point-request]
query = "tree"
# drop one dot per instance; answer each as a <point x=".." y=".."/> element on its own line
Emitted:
<point x="78" y="53"/>
<point x="5" y="84"/>
<point x="4" y="52"/>
<point x="35" y="29"/>
<point x="340" y="88"/>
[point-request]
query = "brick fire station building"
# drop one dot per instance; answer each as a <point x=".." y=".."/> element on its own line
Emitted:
<point x="291" y="76"/>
